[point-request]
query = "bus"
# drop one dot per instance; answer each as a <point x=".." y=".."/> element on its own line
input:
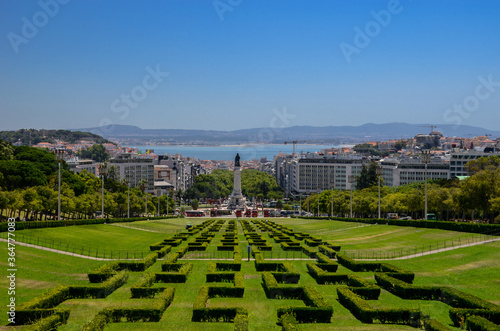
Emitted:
<point x="255" y="213"/>
<point x="194" y="213"/>
<point x="431" y="217"/>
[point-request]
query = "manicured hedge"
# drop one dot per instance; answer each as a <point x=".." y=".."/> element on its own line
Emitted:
<point x="477" y="323"/>
<point x="226" y="314"/>
<point x="183" y="270"/>
<point x="101" y="291"/>
<point x="134" y="314"/>
<point x="309" y="251"/>
<point x="362" y="310"/>
<point x="459" y="299"/>
<point x="357" y="266"/>
<point x="357" y="306"/>
<point x="407" y="291"/>
<point x="59" y="317"/>
<point x="460" y="315"/>
<point x="51" y="322"/>
<point x="433" y="325"/>
<point x="49" y="299"/>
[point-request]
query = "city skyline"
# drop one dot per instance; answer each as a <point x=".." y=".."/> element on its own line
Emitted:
<point x="221" y="65"/>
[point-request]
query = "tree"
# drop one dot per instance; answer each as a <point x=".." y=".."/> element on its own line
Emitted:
<point x="195" y="204"/>
<point x="6" y="151"/>
<point x="97" y="153"/>
<point x="367" y="177"/>
<point x="482" y="163"/>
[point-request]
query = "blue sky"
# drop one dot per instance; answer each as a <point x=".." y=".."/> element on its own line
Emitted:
<point x="235" y="64"/>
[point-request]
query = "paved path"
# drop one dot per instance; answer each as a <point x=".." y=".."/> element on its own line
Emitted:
<point x="131" y="227"/>
<point x="435" y="251"/>
<point x="18" y="243"/>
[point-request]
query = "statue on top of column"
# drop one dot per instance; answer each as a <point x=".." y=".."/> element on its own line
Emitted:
<point x="237" y="160"/>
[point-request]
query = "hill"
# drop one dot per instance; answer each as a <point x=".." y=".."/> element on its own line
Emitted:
<point x="127" y="134"/>
<point x="33" y="137"/>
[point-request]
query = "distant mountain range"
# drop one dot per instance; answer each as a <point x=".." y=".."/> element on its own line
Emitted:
<point x="128" y="134"/>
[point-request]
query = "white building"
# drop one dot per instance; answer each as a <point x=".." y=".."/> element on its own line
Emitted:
<point x="134" y="168"/>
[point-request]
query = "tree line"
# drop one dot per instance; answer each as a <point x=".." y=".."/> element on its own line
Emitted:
<point x="29" y="188"/>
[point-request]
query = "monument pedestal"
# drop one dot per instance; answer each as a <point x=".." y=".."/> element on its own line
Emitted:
<point x="237" y="200"/>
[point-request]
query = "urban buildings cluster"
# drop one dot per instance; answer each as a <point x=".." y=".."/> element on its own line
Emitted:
<point x="303" y="174"/>
<point x="400" y="162"/>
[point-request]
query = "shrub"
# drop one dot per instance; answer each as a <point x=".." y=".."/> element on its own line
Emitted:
<point x="101" y="291"/>
<point x="179" y="276"/>
<point x="460" y="315"/>
<point x="59" y="317"/>
<point x="433" y="325"/>
<point x="407" y="291"/>
<point x="50" y="299"/>
<point x="327" y="250"/>
<point x="477" y="323"/>
<point x="459" y="299"/>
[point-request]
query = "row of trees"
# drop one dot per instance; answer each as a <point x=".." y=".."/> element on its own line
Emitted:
<point x="29" y="187"/>
<point x="219" y="184"/>
<point x="476" y="197"/>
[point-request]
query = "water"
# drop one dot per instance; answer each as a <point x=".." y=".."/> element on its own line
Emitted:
<point x="227" y="153"/>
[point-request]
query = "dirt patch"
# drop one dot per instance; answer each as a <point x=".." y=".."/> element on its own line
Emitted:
<point x="251" y="276"/>
<point x="367" y="237"/>
<point x="36" y="284"/>
<point x="472" y="265"/>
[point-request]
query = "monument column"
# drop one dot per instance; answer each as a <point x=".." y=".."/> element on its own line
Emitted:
<point x="237" y="176"/>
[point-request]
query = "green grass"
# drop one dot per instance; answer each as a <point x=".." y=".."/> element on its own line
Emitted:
<point x="473" y="270"/>
<point x="38" y="271"/>
<point x="355" y="236"/>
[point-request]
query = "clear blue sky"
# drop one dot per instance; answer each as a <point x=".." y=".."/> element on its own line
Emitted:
<point x="229" y="67"/>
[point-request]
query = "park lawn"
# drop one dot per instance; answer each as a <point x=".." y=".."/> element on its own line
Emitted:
<point x="39" y="271"/>
<point x="96" y="237"/>
<point x="375" y="237"/>
<point x="473" y="270"/>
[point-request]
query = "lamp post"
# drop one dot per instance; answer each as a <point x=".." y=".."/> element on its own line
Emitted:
<point x="319" y="191"/>
<point x="102" y="172"/>
<point x="128" y="200"/>
<point x="426" y="158"/>
<point x="351" y="180"/>
<point x="300" y="204"/>
<point x="159" y="195"/>
<point x="379" y="173"/>
<point x="59" y="159"/>
<point x="332" y="184"/>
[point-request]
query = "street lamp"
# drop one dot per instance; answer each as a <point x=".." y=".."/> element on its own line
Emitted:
<point x="159" y="195"/>
<point x="59" y="158"/>
<point x="102" y="172"/>
<point x="332" y="184"/>
<point x="426" y="158"/>
<point x="319" y="190"/>
<point x="351" y="180"/>
<point x="128" y="200"/>
<point x="379" y="173"/>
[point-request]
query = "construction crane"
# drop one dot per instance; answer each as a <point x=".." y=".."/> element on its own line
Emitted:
<point x="295" y="142"/>
<point x="429" y="126"/>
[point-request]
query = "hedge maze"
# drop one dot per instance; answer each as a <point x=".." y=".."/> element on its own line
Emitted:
<point x="311" y="287"/>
